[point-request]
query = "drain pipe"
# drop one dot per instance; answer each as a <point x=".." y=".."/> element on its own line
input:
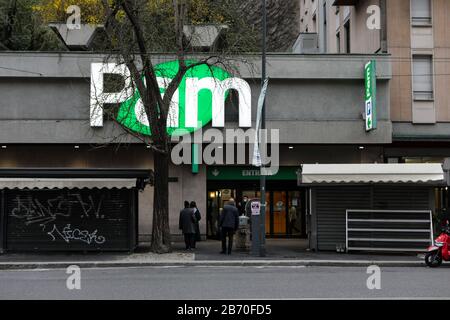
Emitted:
<point x="383" y="30"/>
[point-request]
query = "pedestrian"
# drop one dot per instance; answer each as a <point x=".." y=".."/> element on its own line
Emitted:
<point x="292" y="219"/>
<point x="228" y="224"/>
<point x="187" y="226"/>
<point x="197" y="217"/>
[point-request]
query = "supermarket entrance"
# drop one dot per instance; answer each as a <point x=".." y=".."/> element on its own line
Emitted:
<point x="285" y="203"/>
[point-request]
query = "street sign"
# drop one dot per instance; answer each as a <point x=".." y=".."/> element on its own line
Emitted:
<point x="255" y="207"/>
<point x="370" y="95"/>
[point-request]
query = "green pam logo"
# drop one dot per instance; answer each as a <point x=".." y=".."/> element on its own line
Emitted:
<point x="199" y="99"/>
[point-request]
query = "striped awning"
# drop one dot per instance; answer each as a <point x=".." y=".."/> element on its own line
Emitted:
<point x="372" y="173"/>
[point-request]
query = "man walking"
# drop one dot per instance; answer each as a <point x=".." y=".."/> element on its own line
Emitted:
<point x="229" y="223"/>
<point x="187" y="226"/>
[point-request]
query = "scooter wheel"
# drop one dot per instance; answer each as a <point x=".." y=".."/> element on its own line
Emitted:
<point x="433" y="259"/>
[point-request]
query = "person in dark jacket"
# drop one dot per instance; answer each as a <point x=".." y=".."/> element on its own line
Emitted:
<point x="198" y="217"/>
<point x="187" y="226"/>
<point x="228" y="223"/>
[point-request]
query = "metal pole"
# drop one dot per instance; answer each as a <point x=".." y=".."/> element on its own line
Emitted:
<point x="262" y="233"/>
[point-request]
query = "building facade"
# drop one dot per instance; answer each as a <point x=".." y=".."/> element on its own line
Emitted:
<point x="412" y="32"/>
<point x="316" y="103"/>
<point x="316" y="99"/>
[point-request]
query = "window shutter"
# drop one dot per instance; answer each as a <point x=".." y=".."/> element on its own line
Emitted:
<point x="421" y="11"/>
<point x="422" y="77"/>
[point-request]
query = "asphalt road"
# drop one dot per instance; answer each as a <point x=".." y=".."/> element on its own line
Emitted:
<point x="226" y="283"/>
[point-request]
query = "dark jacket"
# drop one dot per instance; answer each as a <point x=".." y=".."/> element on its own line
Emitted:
<point x="229" y="217"/>
<point x="198" y="217"/>
<point x="187" y="220"/>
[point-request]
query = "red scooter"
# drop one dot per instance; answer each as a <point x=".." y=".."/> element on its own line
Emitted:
<point x="440" y="250"/>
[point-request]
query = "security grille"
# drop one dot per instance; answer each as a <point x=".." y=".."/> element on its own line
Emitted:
<point x="388" y="230"/>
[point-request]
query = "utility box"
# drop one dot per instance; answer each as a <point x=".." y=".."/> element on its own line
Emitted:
<point x="242" y="238"/>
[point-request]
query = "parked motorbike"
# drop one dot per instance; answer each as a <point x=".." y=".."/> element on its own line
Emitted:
<point x="440" y="250"/>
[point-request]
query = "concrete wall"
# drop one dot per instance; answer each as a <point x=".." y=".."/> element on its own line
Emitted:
<point x="45" y="98"/>
<point x="311" y="98"/>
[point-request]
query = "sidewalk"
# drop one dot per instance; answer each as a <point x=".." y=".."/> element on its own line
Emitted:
<point x="280" y="252"/>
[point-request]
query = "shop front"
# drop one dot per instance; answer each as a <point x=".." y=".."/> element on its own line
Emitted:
<point x="285" y="201"/>
<point x="69" y="210"/>
<point x="372" y="207"/>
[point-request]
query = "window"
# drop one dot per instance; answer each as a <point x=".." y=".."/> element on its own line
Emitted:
<point x="347" y="36"/>
<point x="338" y="42"/>
<point x="325" y="31"/>
<point x="422" y="77"/>
<point x="421" y="12"/>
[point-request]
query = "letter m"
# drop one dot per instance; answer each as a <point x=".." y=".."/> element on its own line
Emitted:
<point x="218" y="90"/>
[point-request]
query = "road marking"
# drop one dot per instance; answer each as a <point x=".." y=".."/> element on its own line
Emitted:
<point x="157" y="267"/>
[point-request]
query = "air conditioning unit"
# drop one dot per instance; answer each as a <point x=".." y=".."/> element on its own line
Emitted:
<point x="306" y="43"/>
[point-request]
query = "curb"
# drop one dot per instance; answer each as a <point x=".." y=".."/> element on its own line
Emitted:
<point x="210" y="263"/>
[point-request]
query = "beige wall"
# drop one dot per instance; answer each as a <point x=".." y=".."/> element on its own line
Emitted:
<point x="441" y="26"/>
<point x="363" y="40"/>
<point x="308" y="9"/>
<point x="400" y="44"/>
<point x="403" y="41"/>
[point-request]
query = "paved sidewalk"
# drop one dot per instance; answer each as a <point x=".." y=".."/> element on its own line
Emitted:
<point x="280" y="252"/>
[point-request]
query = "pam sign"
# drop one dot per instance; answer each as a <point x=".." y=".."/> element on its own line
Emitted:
<point x="199" y="99"/>
<point x="370" y="95"/>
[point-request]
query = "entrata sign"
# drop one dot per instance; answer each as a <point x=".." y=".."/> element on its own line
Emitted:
<point x="370" y="95"/>
<point x="199" y="99"/>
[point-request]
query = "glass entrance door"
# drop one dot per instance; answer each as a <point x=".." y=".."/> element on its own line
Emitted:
<point x="285" y="216"/>
<point x="278" y="213"/>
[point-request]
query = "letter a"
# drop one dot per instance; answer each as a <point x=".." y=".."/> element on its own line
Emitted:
<point x="74" y="280"/>
<point x="374" y="20"/>
<point x="374" y="281"/>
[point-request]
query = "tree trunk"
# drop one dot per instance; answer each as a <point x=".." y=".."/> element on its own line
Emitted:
<point x="161" y="242"/>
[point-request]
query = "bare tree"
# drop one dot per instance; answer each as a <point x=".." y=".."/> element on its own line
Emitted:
<point x="135" y="29"/>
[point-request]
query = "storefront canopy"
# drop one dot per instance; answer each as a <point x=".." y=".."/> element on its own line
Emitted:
<point x="73" y="178"/>
<point x="372" y="173"/>
<point x="42" y="183"/>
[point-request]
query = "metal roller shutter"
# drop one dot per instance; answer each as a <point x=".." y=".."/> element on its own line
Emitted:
<point x="75" y="219"/>
<point x="331" y="205"/>
<point x="401" y="198"/>
<point x="332" y="202"/>
<point x="388" y="227"/>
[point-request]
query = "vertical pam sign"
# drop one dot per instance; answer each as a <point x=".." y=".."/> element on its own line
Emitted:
<point x="370" y="95"/>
